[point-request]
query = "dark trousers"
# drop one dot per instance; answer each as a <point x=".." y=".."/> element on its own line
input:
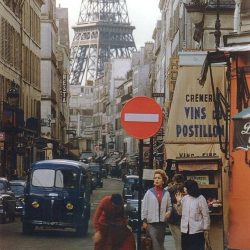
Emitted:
<point x="192" y="241"/>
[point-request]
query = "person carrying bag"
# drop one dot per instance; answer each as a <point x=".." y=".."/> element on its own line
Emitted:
<point x="156" y="208"/>
<point x="146" y="241"/>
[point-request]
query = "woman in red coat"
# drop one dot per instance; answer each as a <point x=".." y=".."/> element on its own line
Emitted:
<point x="110" y="225"/>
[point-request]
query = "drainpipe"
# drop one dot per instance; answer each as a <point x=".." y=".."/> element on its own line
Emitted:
<point x="237" y="18"/>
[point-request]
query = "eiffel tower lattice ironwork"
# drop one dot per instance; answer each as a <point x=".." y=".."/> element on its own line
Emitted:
<point x="103" y="31"/>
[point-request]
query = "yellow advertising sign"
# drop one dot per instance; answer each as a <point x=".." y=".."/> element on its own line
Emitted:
<point x="192" y="116"/>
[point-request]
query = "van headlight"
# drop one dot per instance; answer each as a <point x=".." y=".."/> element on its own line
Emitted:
<point x="69" y="206"/>
<point x="35" y="204"/>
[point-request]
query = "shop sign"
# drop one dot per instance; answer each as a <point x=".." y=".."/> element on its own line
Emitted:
<point x="200" y="179"/>
<point x="158" y="94"/>
<point x="192" y="117"/>
<point x="242" y="134"/>
<point x="2" y="136"/>
<point x="64" y="88"/>
<point x="242" y="130"/>
<point x="148" y="174"/>
<point x="195" y="151"/>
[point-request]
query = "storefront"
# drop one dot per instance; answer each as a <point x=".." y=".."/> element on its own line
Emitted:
<point x="194" y="137"/>
<point x="239" y="203"/>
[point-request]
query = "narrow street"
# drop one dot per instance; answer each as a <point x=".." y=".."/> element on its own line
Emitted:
<point x="11" y="237"/>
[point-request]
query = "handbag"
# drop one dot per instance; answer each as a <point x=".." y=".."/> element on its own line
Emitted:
<point x="146" y="242"/>
<point x="174" y="218"/>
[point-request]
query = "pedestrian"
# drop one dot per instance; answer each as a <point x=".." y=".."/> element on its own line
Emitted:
<point x="195" y="220"/>
<point x="156" y="208"/>
<point x="110" y="223"/>
<point x="174" y="220"/>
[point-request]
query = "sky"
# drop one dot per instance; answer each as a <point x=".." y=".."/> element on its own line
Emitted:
<point x="143" y="14"/>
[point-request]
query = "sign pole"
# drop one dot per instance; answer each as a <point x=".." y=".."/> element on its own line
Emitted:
<point x="141" y="118"/>
<point x="140" y="174"/>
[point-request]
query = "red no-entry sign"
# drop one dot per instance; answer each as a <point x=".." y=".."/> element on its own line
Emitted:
<point x="141" y="117"/>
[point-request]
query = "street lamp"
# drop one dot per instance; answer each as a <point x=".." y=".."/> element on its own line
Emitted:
<point x="217" y="33"/>
<point x="13" y="95"/>
<point x="13" y="101"/>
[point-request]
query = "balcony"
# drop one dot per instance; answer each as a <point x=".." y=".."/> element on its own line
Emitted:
<point x="209" y="5"/>
<point x="126" y="97"/>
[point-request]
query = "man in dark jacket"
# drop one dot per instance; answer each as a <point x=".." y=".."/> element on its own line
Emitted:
<point x="174" y="221"/>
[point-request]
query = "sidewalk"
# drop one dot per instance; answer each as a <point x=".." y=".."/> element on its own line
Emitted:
<point x="169" y="242"/>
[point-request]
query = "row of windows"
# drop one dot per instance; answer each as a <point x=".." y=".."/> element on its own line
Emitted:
<point x="10" y="44"/>
<point x="31" y="22"/>
<point x="100" y="107"/>
<point x="82" y="112"/>
<point x="4" y="87"/>
<point x="31" y="67"/>
<point x="30" y="106"/>
<point x="14" y="6"/>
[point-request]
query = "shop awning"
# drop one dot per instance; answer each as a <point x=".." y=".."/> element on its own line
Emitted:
<point x="197" y="166"/>
<point x="108" y="160"/>
<point x="238" y="48"/>
<point x="75" y="152"/>
<point x="117" y="160"/>
<point x="122" y="161"/>
<point x="244" y="114"/>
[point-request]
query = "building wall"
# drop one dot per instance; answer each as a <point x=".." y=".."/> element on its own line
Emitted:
<point x="49" y="76"/>
<point x="31" y="53"/>
<point x="20" y="61"/>
<point x="10" y="52"/>
<point x="81" y="110"/>
<point x="238" y="236"/>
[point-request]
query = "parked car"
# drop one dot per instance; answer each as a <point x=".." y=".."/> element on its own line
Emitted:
<point x="131" y="209"/>
<point x="7" y="202"/>
<point x="87" y="156"/>
<point x="17" y="187"/>
<point x="96" y="169"/>
<point x="104" y="173"/>
<point x="130" y="187"/>
<point x="57" y="195"/>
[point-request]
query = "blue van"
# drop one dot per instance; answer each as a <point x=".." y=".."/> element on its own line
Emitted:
<point x="57" y="195"/>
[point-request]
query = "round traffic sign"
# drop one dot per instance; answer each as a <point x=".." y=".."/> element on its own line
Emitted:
<point x="141" y="117"/>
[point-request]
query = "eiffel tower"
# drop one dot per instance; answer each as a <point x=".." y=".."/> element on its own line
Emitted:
<point x="103" y="31"/>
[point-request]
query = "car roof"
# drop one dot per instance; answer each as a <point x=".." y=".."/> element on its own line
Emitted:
<point x="18" y="182"/>
<point x="59" y="162"/>
<point x="132" y="176"/>
<point x="3" y="179"/>
<point x="95" y="163"/>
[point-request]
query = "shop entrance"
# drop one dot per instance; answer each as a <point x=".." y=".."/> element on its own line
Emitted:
<point x="208" y="174"/>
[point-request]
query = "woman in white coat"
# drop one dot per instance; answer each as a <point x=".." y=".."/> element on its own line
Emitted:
<point x="156" y="208"/>
<point x="195" y="220"/>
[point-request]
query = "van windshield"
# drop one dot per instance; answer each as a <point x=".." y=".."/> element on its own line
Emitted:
<point x="62" y="178"/>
